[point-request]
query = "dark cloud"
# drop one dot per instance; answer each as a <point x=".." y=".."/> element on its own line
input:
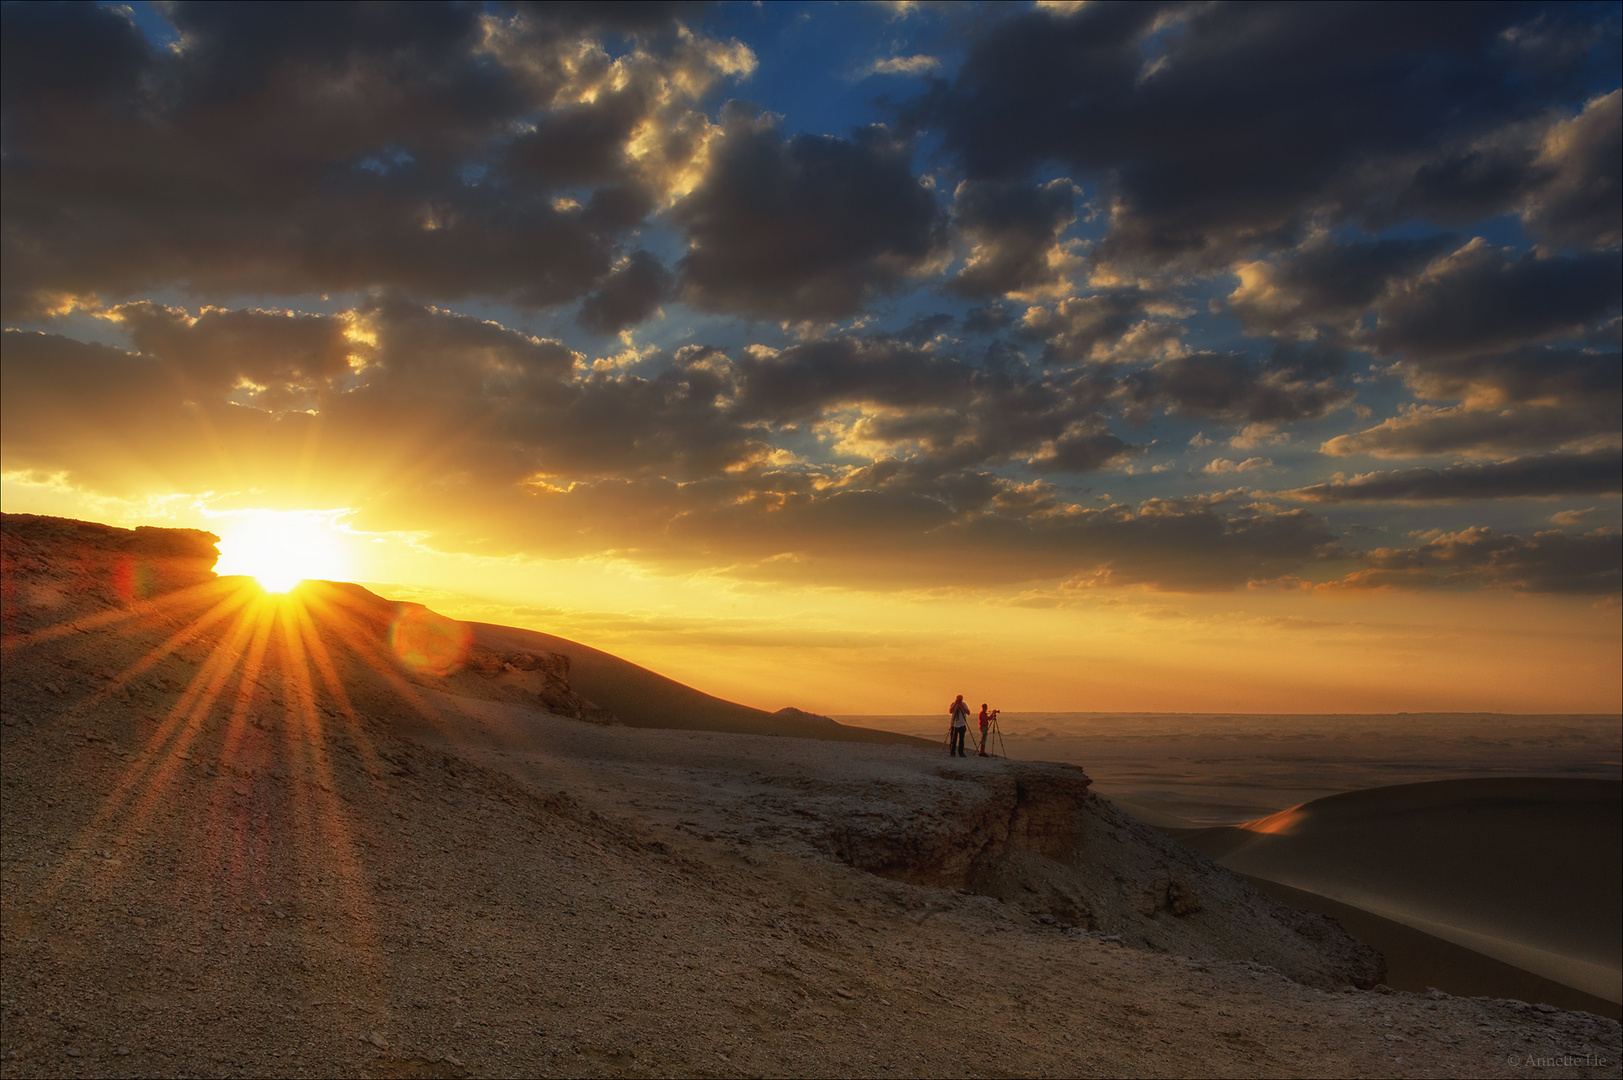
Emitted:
<point x="1012" y="230"/>
<point x="800" y="383"/>
<point x="623" y="16"/>
<point x="1428" y="431"/>
<point x="579" y="143"/>
<point x="925" y="328"/>
<point x="292" y="149"/>
<point x="531" y="155"/>
<point x="1581" y="202"/>
<point x="1530" y="373"/>
<point x="1598" y="472"/>
<point x="1523" y="400"/>
<point x="125" y="424"/>
<point x="285" y="359"/>
<point x="1291" y="386"/>
<point x="1109" y="326"/>
<point x="1219" y="126"/>
<point x="1324" y="283"/>
<point x="627" y="296"/>
<point x="988" y="319"/>
<point x="811" y="227"/>
<point x="957" y="413"/>
<point x="395" y="390"/>
<point x="63" y="57"/>
<point x="1550" y="562"/>
<point x="1086" y="445"/>
<point x="1487" y="299"/>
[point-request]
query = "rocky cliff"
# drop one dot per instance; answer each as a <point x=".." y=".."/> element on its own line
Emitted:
<point x="56" y="566"/>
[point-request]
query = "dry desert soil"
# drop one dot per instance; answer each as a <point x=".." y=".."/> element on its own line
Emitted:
<point x="334" y="835"/>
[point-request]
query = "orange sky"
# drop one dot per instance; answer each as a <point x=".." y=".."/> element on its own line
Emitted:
<point x="846" y="651"/>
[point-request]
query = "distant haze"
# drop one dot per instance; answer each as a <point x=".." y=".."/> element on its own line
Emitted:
<point x="1225" y="769"/>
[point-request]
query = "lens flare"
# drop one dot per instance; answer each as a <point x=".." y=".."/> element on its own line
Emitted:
<point x="427" y="641"/>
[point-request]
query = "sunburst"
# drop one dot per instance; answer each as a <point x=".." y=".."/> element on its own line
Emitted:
<point x="279" y="549"/>
<point x="269" y="698"/>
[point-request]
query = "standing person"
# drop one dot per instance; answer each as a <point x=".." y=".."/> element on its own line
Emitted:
<point x="986" y="722"/>
<point x="960" y="727"/>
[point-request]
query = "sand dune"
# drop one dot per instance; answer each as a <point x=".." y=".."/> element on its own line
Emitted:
<point x="1418" y="961"/>
<point x="1522" y="870"/>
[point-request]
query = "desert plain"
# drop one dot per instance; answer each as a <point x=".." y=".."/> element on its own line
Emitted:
<point x="329" y="834"/>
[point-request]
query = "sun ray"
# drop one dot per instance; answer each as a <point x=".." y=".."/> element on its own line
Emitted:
<point x="317" y="651"/>
<point x="272" y="659"/>
<point x="265" y="641"/>
<point x="139" y="609"/>
<point x="344" y="617"/>
<point x="150" y="776"/>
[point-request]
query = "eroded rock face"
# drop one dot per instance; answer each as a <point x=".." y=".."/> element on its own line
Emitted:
<point x="1001" y="813"/>
<point x="543" y="676"/>
<point x="1033" y="836"/>
<point x="52" y="567"/>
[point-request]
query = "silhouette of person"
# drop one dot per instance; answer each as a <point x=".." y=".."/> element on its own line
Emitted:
<point x="960" y="727"/>
<point x="986" y="722"/>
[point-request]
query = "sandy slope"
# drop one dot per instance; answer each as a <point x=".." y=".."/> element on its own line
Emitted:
<point x="237" y="845"/>
<point x="642" y="698"/>
<point x="1523" y="870"/>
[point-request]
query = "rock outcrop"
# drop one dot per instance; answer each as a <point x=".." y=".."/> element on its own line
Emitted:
<point x="54" y="567"/>
<point x="1034" y="836"/>
<point x="542" y="676"/>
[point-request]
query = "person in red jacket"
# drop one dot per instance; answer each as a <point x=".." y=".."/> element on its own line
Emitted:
<point x="986" y="723"/>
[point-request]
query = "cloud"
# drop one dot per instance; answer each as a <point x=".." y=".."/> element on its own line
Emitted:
<point x="904" y="65"/>
<point x="1549" y="562"/>
<point x="1530" y="373"/>
<point x="283" y="359"/>
<point x="1228" y="386"/>
<point x="955" y="413"/>
<point x="1434" y="302"/>
<point x="953" y="367"/>
<point x="1218" y="466"/>
<point x="1597" y="472"/>
<point x="1427" y="430"/>
<point x="1581" y="204"/>
<point x="809" y="227"/>
<point x="893" y="537"/>
<point x="1323" y="283"/>
<point x="1483" y="299"/>
<point x="800" y="383"/>
<point x="324" y="148"/>
<point x="439" y="398"/>
<point x="1012" y="231"/>
<point x="1224" y="127"/>
<point x="1112" y="326"/>
<point x="1085" y="445"/>
<point x="627" y="296"/>
<point x="488" y="439"/>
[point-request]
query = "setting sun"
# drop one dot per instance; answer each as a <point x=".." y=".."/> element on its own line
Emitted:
<point x="280" y="549"/>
